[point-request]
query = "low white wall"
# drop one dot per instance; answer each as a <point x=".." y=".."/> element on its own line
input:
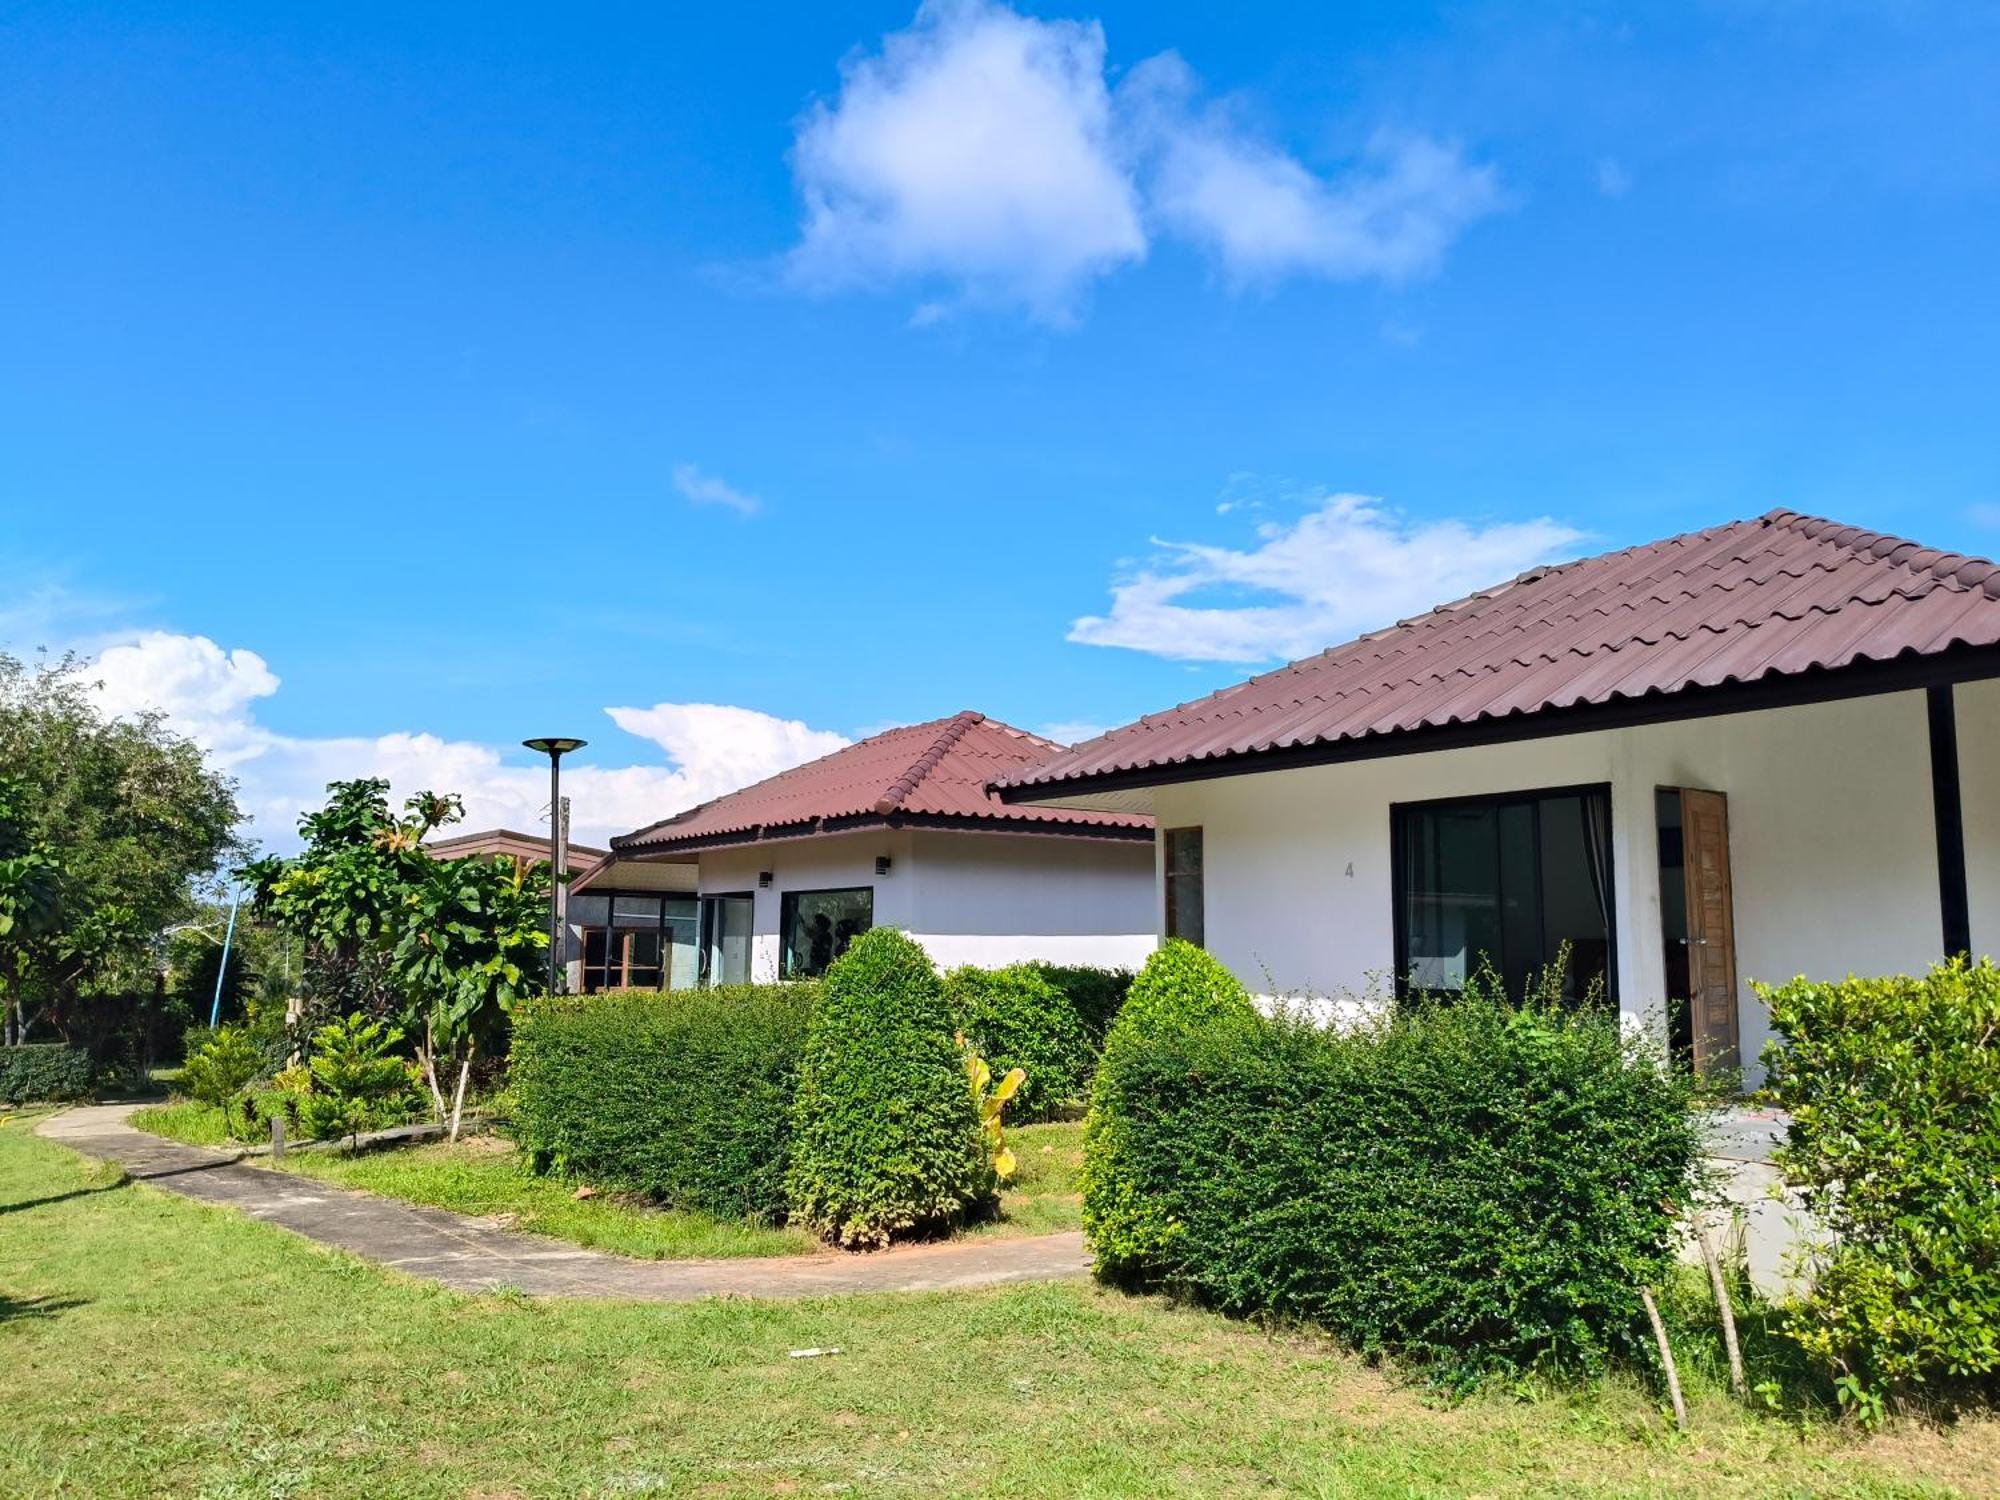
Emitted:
<point x="1831" y="840"/>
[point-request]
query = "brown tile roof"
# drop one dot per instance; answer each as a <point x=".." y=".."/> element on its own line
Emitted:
<point x="934" y="773"/>
<point x="1746" y="602"/>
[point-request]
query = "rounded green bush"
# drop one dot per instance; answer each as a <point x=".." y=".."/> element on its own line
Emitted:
<point x="885" y="1135"/>
<point x="684" y="1096"/>
<point x="1015" y="1018"/>
<point x="1181" y="989"/>
<point x="38" y="1072"/>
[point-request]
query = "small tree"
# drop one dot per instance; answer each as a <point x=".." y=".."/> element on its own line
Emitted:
<point x="220" y="1069"/>
<point x="353" y="1070"/>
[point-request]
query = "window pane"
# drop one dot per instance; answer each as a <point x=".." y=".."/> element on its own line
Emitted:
<point x="589" y="910"/>
<point x="817" y="926"/>
<point x="1186" y="906"/>
<point x="1451" y="870"/>
<point x="726" y="958"/>
<point x="683" y="943"/>
<point x="635" y="911"/>
<point x="640" y="951"/>
<point x="1508" y="882"/>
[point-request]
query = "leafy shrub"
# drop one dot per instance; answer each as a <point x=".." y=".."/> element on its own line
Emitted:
<point x="353" y="1072"/>
<point x="43" y="1072"/>
<point x="684" y="1096"/>
<point x="220" y="1068"/>
<point x="1094" y="994"/>
<point x="1180" y="987"/>
<point x="1016" y="1019"/>
<point x="1893" y="1088"/>
<point x="886" y="1140"/>
<point x="1479" y="1186"/>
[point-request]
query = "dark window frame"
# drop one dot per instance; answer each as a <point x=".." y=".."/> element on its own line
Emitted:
<point x="704" y="936"/>
<point x="787" y="905"/>
<point x="1398" y="874"/>
<point x="663" y="926"/>
<point x="1167" y="885"/>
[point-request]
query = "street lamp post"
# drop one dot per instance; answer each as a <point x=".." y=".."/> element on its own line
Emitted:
<point x="555" y="748"/>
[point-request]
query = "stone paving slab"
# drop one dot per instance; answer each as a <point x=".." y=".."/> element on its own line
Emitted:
<point x="474" y="1255"/>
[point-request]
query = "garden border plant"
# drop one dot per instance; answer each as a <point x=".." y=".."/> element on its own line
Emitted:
<point x="1481" y="1184"/>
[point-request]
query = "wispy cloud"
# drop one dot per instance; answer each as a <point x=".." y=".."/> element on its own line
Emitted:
<point x="985" y="152"/>
<point x="1613" y="181"/>
<point x="706" y="489"/>
<point x="1349" y="564"/>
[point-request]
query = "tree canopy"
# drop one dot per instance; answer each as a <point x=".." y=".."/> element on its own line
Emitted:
<point x="135" y="825"/>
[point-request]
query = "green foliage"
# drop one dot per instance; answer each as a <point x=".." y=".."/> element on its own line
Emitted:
<point x="1016" y="1019"/>
<point x="1094" y="994"/>
<point x="43" y="1072"/>
<point x="441" y="947"/>
<point x="1180" y="987"/>
<point x="684" y="1096"/>
<point x="1893" y="1089"/>
<point x="353" y="1071"/>
<point x="1479" y="1186"/>
<point x="886" y="1141"/>
<point x="220" y="1068"/>
<point x="134" y="818"/>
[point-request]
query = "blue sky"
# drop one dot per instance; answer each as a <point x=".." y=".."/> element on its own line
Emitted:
<point x="380" y="384"/>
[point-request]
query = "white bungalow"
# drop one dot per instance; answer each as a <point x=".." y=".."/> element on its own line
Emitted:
<point x="899" y="830"/>
<point x="1767" y="749"/>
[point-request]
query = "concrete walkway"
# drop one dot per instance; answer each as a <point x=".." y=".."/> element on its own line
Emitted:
<point x="472" y="1255"/>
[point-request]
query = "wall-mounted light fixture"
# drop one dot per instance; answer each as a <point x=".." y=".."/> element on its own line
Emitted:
<point x="881" y="864"/>
<point x="763" y="880"/>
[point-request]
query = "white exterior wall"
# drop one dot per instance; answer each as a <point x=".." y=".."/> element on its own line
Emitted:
<point x="835" y="862"/>
<point x="1831" y="842"/>
<point x="993" y="898"/>
<point x="975" y="898"/>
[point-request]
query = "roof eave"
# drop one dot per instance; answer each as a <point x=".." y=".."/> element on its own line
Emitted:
<point x="1814" y="685"/>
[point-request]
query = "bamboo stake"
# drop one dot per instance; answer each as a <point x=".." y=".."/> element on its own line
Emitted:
<point x="1728" y="1313"/>
<point x="1666" y="1358"/>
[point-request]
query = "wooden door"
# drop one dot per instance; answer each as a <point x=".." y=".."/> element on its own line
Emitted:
<point x="1711" y="922"/>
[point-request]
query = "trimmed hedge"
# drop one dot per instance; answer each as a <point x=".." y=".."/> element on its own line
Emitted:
<point x="1094" y="994"/>
<point x="1482" y="1187"/>
<point x="684" y="1096"/>
<point x="44" y="1072"/>
<point x="885" y="1135"/>
<point x="1893" y="1088"/>
<point x="1179" y="989"/>
<point x="1015" y="1018"/>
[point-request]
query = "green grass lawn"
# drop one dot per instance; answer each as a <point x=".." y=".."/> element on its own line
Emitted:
<point x="152" y="1346"/>
<point x="487" y="1178"/>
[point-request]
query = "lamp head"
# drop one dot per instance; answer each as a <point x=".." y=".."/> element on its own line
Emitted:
<point x="553" y="746"/>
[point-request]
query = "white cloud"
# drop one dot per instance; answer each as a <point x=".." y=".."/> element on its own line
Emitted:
<point x="706" y="489"/>
<point x="1347" y="566"/>
<point x="1265" y="215"/>
<point x="209" y="693"/>
<point x="985" y="150"/>
<point x="976" y="146"/>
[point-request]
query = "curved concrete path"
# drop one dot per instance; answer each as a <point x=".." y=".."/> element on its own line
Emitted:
<point x="472" y="1255"/>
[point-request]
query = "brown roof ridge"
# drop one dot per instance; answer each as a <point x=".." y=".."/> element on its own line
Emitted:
<point x="1958" y="568"/>
<point x="953" y="731"/>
